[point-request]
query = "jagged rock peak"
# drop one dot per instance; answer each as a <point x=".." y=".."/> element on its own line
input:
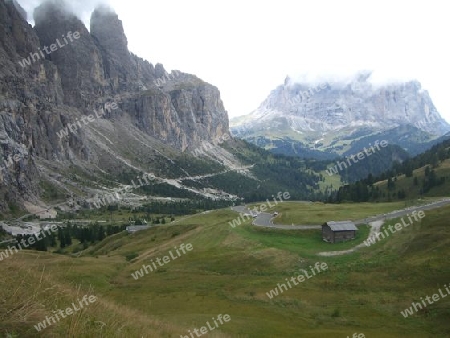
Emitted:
<point x="19" y="8"/>
<point x="108" y="29"/>
<point x="159" y="70"/>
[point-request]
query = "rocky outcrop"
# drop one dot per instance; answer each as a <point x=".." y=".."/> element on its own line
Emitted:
<point x="332" y="106"/>
<point x="184" y="114"/>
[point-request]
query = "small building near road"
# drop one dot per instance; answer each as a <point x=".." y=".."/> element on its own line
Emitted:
<point x="334" y="232"/>
<point x="134" y="228"/>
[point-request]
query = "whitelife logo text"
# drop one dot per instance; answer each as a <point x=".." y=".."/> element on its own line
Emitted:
<point x="166" y="259"/>
<point x="262" y="208"/>
<point x="34" y="57"/>
<point x="204" y="330"/>
<point x="31" y="240"/>
<point x="73" y="127"/>
<point x="318" y="267"/>
<point x="69" y="311"/>
<point x="361" y="156"/>
<point x="417" y="306"/>
<point x="398" y="226"/>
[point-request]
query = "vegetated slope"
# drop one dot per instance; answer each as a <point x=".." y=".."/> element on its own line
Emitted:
<point x="230" y="271"/>
<point x="374" y="162"/>
<point x="274" y="173"/>
<point x="427" y="174"/>
<point x="410" y="138"/>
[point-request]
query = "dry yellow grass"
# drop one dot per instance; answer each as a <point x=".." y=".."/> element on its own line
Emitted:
<point x="29" y="293"/>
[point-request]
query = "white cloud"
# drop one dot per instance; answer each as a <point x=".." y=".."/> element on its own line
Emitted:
<point x="81" y="8"/>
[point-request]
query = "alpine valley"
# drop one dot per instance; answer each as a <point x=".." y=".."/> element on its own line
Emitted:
<point x="122" y="186"/>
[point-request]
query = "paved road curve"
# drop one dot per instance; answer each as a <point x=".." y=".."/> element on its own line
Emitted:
<point x="264" y="219"/>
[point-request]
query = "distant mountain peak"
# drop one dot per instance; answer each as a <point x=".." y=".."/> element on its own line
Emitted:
<point x="307" y="111"/>
<point x="332" y="106"/>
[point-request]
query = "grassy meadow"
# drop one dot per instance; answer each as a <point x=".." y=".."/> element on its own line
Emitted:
<point x="229" y="271"/>
<point x="314" y="213"/>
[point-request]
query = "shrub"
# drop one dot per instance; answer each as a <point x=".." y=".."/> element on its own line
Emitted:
<point x="336" y="313"/>
<point x="131" y="256"/>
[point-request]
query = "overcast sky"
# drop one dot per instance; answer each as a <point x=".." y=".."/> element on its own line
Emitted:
<point x="247" y="47"/>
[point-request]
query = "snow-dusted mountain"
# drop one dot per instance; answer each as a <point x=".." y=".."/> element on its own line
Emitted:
<point x="330" y="116"/>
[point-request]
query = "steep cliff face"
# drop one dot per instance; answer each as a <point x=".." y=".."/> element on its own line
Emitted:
<point x="178" y="108"/>
<point x="119" y="68"/>
<point x="29" y="101"/>
<point x="183" y="113"/>
<point x="45" y="90"/>
<point x="329" y="112"/>
<point x="79" y="61"/>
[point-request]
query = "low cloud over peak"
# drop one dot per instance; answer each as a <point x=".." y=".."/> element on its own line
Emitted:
<point x="375" y="77"/>
<point x="80" y="8"/>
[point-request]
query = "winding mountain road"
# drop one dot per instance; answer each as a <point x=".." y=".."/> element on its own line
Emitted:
<point x="264" y="219"/>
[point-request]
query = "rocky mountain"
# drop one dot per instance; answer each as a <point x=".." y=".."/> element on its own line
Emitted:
<point x="326" y="119"/>
<point x="57" y="76"/>
<point x="82" y="119"/>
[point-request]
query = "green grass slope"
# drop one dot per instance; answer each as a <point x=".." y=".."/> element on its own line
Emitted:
<point x="427" y="174"/>
<point x="229" y="271"/>
<point x="414" y="190"/>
